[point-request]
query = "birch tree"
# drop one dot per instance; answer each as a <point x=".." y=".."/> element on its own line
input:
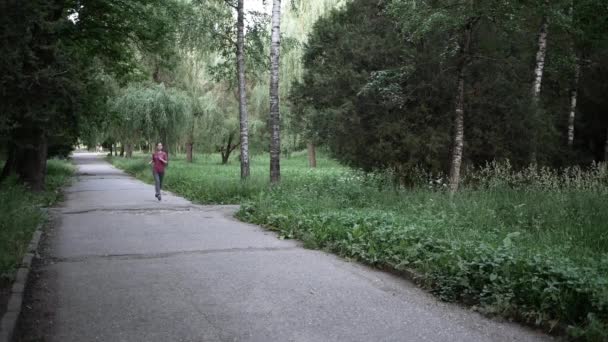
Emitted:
<point x="243" y="116"/>
<point x="275" y="115"/>
<point x="539" y="68"/>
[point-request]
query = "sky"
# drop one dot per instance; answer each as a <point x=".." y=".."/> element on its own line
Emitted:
<point x="257" y="5"/>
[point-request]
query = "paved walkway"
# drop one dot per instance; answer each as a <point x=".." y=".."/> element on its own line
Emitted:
<point x="120" y="266"/>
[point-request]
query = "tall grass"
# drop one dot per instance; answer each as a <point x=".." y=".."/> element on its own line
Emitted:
<point x="528" y="244"/>
<point x="21" y="211"/>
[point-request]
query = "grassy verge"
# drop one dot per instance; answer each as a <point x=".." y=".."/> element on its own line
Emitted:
<point x="20" y="213"/>
<point x="529" y="245"/>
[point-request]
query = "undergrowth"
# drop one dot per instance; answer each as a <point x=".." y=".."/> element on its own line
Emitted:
<point x="21" y="211"/>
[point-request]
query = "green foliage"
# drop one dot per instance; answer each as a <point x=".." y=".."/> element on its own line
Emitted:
<point x="22" y="211"/>
<point x="394" y="89"/>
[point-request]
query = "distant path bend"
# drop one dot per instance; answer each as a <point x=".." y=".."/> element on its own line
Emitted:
<point x="120" y="266"/>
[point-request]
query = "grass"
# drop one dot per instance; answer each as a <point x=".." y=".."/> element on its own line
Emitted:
<point x="22" y="211"/>
<point x="531" y="245"/>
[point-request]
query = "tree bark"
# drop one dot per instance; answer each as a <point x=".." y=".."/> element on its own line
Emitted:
<point x="539" y="68"/>
<point x="122" y="150"/>
<point x="573" y="101"/>
<point x="458" y="138"/>
<point x="189" y="148"/>
<point x="129" y="150"/>
<point x="227" y="150"/>
<point x="312" y="155"/>
<point x="243" y="116"/>
<point x="31" y="160"/>
<point x="9" y="164"/>
<point x="275" y="115"/>
<point x="541" y="54"/>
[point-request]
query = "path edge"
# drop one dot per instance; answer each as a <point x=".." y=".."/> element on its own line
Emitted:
<point x="10" y="318"/>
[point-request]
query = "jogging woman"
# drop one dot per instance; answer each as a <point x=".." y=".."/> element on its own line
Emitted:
<point x="159" y="162"/>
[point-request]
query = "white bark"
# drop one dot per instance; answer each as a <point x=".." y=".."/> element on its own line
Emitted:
<point x="458" y="138"/>
<point x="573" y="100"/>
<point x="541" y="54"/>
<point x="243" y="116"/>
<point x="275" y="115"/>
<point x="539" y="69"/>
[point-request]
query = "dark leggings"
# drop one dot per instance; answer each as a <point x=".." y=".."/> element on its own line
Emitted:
<point x="158" y="181"/>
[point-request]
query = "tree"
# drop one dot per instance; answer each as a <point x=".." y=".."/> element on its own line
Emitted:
<point x="275" y="116"/>
<point x="243" y="117"/>
<point x="150" y="113"/>
<point x="50" y="54"/>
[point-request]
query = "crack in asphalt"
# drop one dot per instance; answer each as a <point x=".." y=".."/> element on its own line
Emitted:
<point x="84" y="211"/>
<point x="106" y="190"/>
<point x="146" y="256"/>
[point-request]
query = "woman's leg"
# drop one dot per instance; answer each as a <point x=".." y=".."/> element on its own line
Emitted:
<point x="157" y="182"/>
<point x="161" y="175"/>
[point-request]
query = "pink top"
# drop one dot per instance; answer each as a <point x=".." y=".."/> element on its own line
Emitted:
<point x="158" y="165"/>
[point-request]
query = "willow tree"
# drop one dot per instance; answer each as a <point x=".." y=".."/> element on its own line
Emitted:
<point x="149" y="113"/>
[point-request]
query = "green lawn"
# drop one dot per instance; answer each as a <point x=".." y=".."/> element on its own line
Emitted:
<point x="21" y="211"/>
<point x="529" y="245"/>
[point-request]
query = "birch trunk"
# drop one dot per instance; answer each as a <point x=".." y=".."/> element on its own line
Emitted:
<point x="275" y="115"/>
<point x="539" y="69"/>
<point x="458" y="139"/>
<point x="240" y="57"/>
<point x="312" y="155"/>
<point x="573" y="100"/>
<point x="541" y="54"/>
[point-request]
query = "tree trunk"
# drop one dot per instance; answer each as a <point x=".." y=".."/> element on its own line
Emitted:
<point x="539" y="68"/>
<point x="225" y="151"/>
<point x="225" y="157"/>
<point x="240" y="57"/>
<point x="189" y="148"/>
<point x="9" y="164"/>
<point x="606" y="148"/>
<point x="275" y="115"/>
<point x="116" y="151"/>
<point x="541" y="54"/>
<point x="458" y="138"/>
<point x="129" y="150"/>
<point x="31" y="160"/>
<point x="312" y="155"/>
<point x="573" y="100"/>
